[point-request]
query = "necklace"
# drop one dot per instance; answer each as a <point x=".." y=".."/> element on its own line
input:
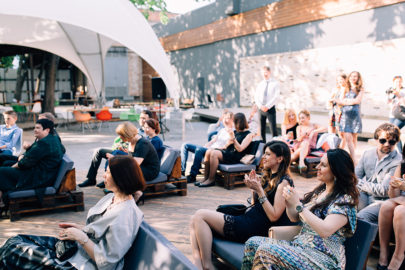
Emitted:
<point x="115" y="202"/>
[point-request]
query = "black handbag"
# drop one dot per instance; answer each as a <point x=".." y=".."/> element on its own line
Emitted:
<point x="233" y="209"/>
<point x="398" y="111"/>
<point x="65" y="249"/>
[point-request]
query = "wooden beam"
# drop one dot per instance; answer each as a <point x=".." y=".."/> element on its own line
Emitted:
<point x="273" y="16"/>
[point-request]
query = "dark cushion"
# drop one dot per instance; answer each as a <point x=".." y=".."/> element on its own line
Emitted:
<point x="159" y="179"/>
<point x="151" y="250"/>
<point x="168" y="159"/>
<point x="29" y="193"/>
<point x="240" y="167"/>
<point x="66" y="165"/>
<point x="312" y="159"/>
<point x="357" y="247"/>
<point x="259" y="154"/>
<point x="232" y="252"/>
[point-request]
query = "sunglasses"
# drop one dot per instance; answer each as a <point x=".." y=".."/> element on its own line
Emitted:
<point x="391" y="142"/>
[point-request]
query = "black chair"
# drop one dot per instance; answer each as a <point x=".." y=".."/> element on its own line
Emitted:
<point x="152" y="251"/>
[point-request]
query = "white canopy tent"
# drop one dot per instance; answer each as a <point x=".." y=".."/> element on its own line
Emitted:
<point x="82" y="32"/>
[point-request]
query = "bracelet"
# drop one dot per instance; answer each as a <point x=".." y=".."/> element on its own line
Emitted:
<point x="85" y="241"/>
<point x="262" y="199"/>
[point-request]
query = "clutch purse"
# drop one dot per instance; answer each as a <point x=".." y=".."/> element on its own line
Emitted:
<point x="247" y="159"/>
<point x="284" y="232"/>
<point x="233" y="209"/>
<point x="65" y="249"/>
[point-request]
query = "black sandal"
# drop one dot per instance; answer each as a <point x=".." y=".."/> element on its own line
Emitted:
<point x="382" y="267"/>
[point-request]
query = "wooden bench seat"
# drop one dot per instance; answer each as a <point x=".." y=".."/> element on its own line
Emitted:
<point x="233" y="174"/>
<point x="169" y="180"/>
<point x="63" y="194"/>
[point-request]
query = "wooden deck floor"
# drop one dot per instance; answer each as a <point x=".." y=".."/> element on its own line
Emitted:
<point x="170" y="215"/>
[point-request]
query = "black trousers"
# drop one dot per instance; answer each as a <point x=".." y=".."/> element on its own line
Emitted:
<point x="7" y="160"/>
<point x="271" y="115"/>
<point x="95" y="162"/>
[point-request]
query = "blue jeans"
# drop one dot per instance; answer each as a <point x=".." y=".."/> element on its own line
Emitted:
<point x="199" y="152"/>
<point x="400" y="124"/>
<point x="115" y="152"/>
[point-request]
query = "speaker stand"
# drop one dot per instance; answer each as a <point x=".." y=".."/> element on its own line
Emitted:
<point x="163" y="127"/>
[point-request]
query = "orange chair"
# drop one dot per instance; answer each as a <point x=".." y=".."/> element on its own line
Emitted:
<point x="82" y="118"/>
<point x="103" y="116"/>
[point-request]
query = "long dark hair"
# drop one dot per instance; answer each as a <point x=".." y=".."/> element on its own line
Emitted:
<point x="403" y="161"/>
<point x="281" y="149"/>
<point x="342" y="167"/>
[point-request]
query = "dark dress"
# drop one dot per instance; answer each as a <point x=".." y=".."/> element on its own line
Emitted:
<point x="255" y="221"/>
<point x="230" y="154"/>
<point x="294" y="130"/>
<point x="150" y="165"/>
<point x="37" y="169"/>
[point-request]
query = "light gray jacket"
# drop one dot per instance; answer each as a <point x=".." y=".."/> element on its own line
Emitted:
<point x="112" y="230"/>
<point x="373" y="179"/>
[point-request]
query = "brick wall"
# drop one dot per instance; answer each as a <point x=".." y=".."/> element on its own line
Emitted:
<point x="307" y="77"/>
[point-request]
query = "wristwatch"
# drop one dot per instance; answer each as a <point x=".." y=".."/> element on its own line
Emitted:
<point x="299" y="208"/>
<point x="262" y="199"/>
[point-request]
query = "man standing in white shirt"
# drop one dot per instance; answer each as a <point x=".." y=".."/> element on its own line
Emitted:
<point x="266" y="96"/>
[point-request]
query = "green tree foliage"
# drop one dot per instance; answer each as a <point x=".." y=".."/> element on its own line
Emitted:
<point x="6" y="61"/>
<point x="152" y="5"/>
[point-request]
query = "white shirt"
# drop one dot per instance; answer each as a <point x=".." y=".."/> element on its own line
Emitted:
<point x="222" y="139"/>
<point x="273" y="93"/>
<point x="393" y="99"/>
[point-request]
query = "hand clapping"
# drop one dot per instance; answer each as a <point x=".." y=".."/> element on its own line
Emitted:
<point x="290" y="195"/>
<point x="397" y="182"/>
<point x="252" y="181"/>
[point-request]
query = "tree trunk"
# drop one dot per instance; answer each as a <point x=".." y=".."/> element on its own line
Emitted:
<point x="39" y="77"/>
<point x="21" y="76"/>
<point x="50" y="81"/>
<point x="32" y="81"/>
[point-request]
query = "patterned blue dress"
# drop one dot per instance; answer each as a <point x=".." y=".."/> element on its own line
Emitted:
<point x="308" y="250"/>
<point x="350" y="120"/>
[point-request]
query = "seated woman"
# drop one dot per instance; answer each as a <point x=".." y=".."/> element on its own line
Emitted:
<point x="236" y="148"/>
<point x="152" y="129"/>
<point x="328" y="216"/>
<point x="392" y="216"/>
<point x="111" y="227"/>
<point x="141" y="149"/>
<point x="306" y="138"/>
<point x="289" y="125"/>
<point x="268" y="207"/>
